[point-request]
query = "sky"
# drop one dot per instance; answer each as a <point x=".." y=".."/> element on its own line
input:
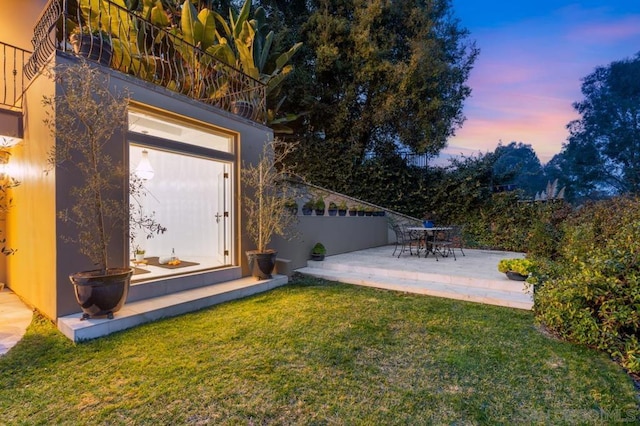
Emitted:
<point x="533" y="57"/>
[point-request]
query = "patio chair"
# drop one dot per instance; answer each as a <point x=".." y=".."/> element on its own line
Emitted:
<point x="455" y="235"/>
<point x="441" y="244"/>
<point x="406" y="240"/>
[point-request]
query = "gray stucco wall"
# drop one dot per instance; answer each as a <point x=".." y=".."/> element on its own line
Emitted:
<point x="339" y="234"/>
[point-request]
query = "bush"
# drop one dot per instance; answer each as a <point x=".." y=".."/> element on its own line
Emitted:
<point x="318" y="249"/>
<point x="520" y="266"/>
<point x="593" y="296"/>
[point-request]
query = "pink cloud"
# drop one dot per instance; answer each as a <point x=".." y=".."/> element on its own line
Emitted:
<point x="606" y="32"/>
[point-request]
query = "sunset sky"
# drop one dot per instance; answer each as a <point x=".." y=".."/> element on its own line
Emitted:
<point x="533" y="56"/>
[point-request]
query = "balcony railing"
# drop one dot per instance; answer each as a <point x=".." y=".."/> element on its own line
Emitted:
<point x="123" y="40"/>
<point x="12" y="60"/>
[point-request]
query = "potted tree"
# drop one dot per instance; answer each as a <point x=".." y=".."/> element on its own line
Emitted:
<point x="318" y="252"/>
<point x="87" y="117"/>
<point x="267" y="188"/>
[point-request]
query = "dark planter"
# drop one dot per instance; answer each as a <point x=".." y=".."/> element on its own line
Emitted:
<point x="261" y="264"/>
<point x="307" y="211"/>
<point x="101" y="294"/>
<point x="318" y="257"/>
<point x="360" y="212"/>
<point x="319" y="212"/>
<point x="333" y="212"/>
<point x="368" y="213"/>
<point x="92" y="47"/>
<point x="342" y="212"/>
<point x="353" y="212"/>
<point x="515" y="276"/>
<point x="243" y="108"/>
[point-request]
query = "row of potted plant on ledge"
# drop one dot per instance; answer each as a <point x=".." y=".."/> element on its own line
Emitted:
<point x="319" y="207"/>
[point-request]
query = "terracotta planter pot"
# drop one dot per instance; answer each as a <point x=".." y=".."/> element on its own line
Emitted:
<point x="101" y="294"/>
<point x="262" y="264"/>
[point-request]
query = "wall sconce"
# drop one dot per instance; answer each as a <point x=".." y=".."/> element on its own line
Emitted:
<point x="144" y="169"/>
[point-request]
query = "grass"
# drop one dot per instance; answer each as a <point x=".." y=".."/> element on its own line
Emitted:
<point x="316" y="353"/>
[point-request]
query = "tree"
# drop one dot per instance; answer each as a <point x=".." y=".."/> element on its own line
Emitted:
<point x="518" y="164"/>
<point x="603" y="149"/>
<point x="374" y="76"/>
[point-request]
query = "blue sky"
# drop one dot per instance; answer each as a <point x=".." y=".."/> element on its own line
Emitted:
<point x="533" y="56"/>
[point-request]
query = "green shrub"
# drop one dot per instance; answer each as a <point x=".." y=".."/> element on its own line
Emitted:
<point x="520" y="266"/>
<point x="593" y="295"/>
<point x="318" y="249"/>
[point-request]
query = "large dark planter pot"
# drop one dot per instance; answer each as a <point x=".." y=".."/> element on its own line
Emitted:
<point x="342" y="212"/>
<point x="306" y="211"/>
<point x="353" y="212"/>
<point x="333" y="212"/>
<point x="319" y="212"/>
<point x="318" y="257"/>
<point x="243" y="108"/>
<point x="516" y="276"/>
<point x="101" y="294"/>
<point x="262" y="264"/>
<point x="92" y="47"/>
<point x="360" y="212"/>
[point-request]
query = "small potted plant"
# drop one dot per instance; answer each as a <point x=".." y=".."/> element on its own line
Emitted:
<point x="342" y="208"/>
<point x="333" y="209"/>
<point x="516" y="269"/>
<point x="139" y="253"/>
<point x="319" y="206"/>
<point x="307" y="208"/>
<point x="318" y="252"/>
<point x="292" y="206"/>
<point x="353" y="211"/>
<point x="361" y="210"/>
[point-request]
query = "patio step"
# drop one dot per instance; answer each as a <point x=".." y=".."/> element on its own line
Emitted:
<point x="169" y="305"/>
<point x="510" y="294"/>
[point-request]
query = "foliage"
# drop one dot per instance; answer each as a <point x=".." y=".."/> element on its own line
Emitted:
<point x="83" y="118"/>
<point x="520" y="266"/>
<point x="267" y="189"/>
<point x="318" y="248"/>
<point x="318" y="203"/>
<point x="316" y="352"/>
<point x="373" y="76"/>
<point x="592" y="298"/>
<point x="601" y="152"/>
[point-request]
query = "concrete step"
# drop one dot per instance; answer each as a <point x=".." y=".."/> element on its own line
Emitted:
<point x="501" y="284"/>
<point x="168" y="305"/>
<point x="449" y="288"/>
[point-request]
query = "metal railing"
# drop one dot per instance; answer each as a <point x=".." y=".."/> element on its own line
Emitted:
<point x="12" y="60"/>
<point x="125" y="41"/>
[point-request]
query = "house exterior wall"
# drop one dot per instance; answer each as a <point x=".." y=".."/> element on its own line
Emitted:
<point x="17" y="20"/>
<point x="39" y="273"/>
<point x="31" y="272"/>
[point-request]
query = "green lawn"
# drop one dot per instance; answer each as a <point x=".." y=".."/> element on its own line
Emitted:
<point x="316" y="353"/>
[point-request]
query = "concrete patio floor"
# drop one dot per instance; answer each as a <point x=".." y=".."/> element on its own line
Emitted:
<point x="473" y="277"/>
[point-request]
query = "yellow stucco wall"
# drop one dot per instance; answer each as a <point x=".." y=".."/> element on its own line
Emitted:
<point x="31" y="222"/>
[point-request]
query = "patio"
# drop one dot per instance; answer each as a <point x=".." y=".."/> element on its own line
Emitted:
<point x="473" y="277"/>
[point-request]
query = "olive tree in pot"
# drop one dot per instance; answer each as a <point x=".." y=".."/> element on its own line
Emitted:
<point x="267" y="189"/>
<point x="85" y="118"/>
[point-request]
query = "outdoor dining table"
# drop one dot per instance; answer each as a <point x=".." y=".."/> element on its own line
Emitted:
<point x="430" y="234"/>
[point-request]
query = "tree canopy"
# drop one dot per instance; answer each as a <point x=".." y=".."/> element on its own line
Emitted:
<point x="602" y="154"/>
<point x="373" y="76"/>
